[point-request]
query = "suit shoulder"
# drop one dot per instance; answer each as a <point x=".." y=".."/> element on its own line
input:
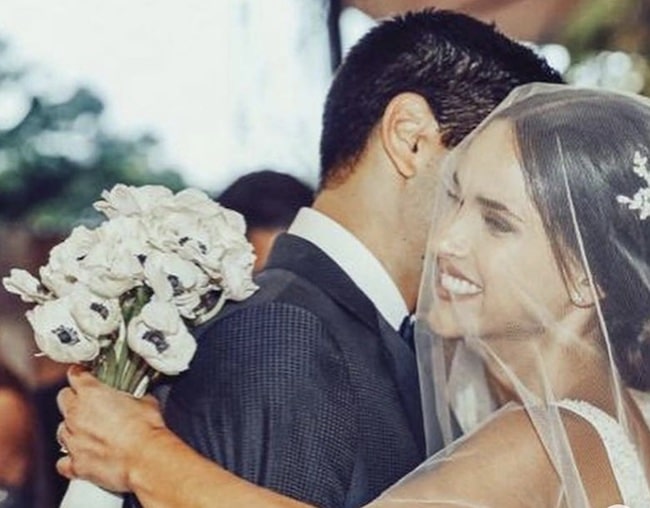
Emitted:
<point x="284" y="302"/>
<point x="262" y="336"/>
<point x="271" y="349"/>
<point x="267" y="318"/>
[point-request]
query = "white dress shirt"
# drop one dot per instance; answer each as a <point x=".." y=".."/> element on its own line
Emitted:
<point x="355" y="260"/>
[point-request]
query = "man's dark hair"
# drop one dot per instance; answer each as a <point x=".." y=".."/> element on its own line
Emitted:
<point x="463" y="68"/>
<point x="267" y="199"/>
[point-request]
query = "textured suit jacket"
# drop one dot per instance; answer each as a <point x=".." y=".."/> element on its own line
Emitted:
<point x="303" y="388"/>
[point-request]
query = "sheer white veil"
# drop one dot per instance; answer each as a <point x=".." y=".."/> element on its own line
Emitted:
<point x="533" y="320"/>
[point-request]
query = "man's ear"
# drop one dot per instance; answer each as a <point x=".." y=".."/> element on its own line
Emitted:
<point x="408" y="132"/>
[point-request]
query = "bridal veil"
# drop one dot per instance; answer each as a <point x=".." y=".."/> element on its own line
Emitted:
<point x="533" y="321"/>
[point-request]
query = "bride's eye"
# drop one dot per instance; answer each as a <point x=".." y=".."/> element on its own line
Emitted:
<point x="453" y="195"/>
<point x="453" y="191"/>
<point x="497" y="223"/>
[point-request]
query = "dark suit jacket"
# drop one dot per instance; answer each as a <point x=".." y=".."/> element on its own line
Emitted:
<point x="303" y="388"/>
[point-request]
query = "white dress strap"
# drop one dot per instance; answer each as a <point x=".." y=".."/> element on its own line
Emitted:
<point x="621" y="453"/>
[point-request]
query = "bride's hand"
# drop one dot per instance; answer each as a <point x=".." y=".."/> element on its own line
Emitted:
<point x="103" y="431"/>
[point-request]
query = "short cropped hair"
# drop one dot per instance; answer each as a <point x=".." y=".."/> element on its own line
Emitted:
<point x="463" y="68"/>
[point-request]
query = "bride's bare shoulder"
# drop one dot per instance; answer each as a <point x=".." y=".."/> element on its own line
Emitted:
<point x="523" y="435"/>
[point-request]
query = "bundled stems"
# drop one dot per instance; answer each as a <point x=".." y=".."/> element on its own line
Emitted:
<point x="117" y="365"/>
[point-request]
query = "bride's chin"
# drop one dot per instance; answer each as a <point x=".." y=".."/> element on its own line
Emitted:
<point x="445" y="325"/>
<point x="449" y="337"/>
<point x="444" y="328"/>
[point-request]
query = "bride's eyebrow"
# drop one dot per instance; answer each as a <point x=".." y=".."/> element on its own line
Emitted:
<point x="497" y="206"/>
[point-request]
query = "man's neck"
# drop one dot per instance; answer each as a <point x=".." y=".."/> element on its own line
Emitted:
<point x="378" y="229"/>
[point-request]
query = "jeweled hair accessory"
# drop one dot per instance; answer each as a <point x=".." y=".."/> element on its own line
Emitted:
<point x="641" y="200"/>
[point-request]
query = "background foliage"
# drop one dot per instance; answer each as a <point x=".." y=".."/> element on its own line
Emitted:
<point x="609" y="44"/>
<point x="56" y="158"/>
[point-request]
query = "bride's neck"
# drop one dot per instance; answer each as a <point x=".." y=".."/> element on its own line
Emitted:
<point x="556" y="368"/>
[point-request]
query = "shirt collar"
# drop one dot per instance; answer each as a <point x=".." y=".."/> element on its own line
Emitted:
<point x="355" y="260"/>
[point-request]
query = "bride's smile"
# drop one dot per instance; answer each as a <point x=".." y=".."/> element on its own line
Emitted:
<point x="452" y="285"/>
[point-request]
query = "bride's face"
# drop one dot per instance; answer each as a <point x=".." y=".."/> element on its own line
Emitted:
<point x="495" y="273"/>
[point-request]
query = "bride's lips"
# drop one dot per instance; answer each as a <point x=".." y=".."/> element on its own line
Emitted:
<point x="453" y="284"/>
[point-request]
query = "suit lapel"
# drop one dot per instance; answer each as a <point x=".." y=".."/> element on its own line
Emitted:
<point x="403" y="364"/>
<point x="303" y="258"/>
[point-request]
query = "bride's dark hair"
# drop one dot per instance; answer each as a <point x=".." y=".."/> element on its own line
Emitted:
<point x="595" y="135"/>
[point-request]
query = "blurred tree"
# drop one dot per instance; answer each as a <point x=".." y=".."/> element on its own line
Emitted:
<point x="609" y="43"/>
<point x="56" y="158"/>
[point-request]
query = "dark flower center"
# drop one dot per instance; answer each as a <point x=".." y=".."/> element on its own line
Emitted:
<point x="203" y="249"/>
<point x="175" y="283"/>
<point x="67" y="336"/>
<point x="157" y="338"/>
<point x="100" y="309"/>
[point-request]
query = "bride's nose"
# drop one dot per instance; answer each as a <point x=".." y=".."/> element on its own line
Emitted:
<point x="454" y="242"/>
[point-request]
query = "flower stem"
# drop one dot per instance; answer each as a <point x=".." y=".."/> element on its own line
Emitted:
<point x="141" y="372"/>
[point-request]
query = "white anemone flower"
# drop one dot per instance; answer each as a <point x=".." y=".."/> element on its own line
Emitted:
<point x="201" y="231"/>
<point x="57" y="334"/>
<point x="178" y="231"/>
<point x="114" y="265"/>
<point x="95" y="315"/>
<point x="204" y="241"/>
<point x="177" y="280"/>
<point x="235" y="220"/>
<point x="129" y="201"/>
<point x="24" y="284"/>
<point x="237" y="273"/>
<point x="160" y="337"/>
<point x="63" y="270"/>
<point x="193" y="202"/>
<point x="196" y="227"/>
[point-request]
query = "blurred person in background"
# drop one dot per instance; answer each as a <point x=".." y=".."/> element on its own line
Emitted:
<point x="16" y="443"/>
<point x="36" y="379"/>
<point x="269" y="201"/>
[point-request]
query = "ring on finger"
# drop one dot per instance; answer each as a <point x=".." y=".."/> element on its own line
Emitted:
<point x="59" y="438"/>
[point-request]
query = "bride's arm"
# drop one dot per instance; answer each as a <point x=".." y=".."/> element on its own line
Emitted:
<point x="122" y="444"/>
<point x="169" y="474"/>
<point x="502" y="464"/>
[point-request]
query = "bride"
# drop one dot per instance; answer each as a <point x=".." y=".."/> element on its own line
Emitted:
<point x="535" y="308"/>
<point x="534" y="314"/>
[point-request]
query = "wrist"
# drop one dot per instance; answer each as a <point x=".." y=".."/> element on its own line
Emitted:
<point x="147" y="464"/>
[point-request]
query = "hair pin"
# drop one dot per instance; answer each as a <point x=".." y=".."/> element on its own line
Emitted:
<point x="641" y="200"/>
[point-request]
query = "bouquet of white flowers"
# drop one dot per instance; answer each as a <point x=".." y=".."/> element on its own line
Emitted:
<point x="119" y="298"/>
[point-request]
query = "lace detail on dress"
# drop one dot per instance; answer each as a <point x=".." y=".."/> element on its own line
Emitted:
<point x="621" y="452"/>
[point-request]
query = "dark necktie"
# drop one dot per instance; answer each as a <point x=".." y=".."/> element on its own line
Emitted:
<point x="407" y="331"/>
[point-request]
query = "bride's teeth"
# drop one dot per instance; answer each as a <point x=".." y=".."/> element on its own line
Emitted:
<point x="458" y="286"/>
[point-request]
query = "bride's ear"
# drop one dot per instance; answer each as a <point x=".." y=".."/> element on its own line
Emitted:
<point x="583" y="293"/>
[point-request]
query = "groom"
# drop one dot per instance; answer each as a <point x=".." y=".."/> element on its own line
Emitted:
<point x="307" y="387"/>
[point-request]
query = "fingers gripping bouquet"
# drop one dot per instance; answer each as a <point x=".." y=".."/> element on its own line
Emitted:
<point x="119" y="298"/>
